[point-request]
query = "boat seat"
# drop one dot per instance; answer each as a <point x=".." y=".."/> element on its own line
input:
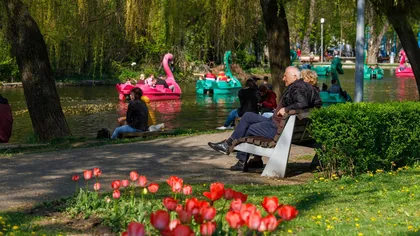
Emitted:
<point x="292" y="129"/>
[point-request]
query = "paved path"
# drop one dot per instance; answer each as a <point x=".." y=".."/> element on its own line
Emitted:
<point x="31" y="178"/>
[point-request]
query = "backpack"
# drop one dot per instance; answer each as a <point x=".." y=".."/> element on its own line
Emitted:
<point x="104" y="133"/>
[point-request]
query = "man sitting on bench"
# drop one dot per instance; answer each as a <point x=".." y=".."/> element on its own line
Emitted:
<point x="298" y="95"/>
<point x="137" y="115"/>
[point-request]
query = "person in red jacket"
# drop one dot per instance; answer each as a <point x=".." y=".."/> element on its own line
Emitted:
<point x="268" y="100"/>
<point x="6" y="120"/>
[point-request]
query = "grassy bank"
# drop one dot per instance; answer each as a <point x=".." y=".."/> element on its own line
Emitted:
<point x="372" y="204"/>
<point x="83" y="142"/>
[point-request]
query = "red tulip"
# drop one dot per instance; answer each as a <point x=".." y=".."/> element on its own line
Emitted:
<point x="125" y="183"/>
<point x="184" y="216"/>
<point x="187" y="190"/>
<point x="75" y="178"/>
<point x="124" y="233"/>
<point x="246" y="211"/>
<point x="134" y="176"/>
<point x="142" y="181"/>
<point x="208" y="213"/>
<point x="160" y="219"/>
<point x="234" y="219"/>
<point x="236" y="205"/>
<point x="116" y="194"/>
<point x="87" y="174"/>
<point x="174" y="223"/>
<point x="241" y="196"/>
<point x="176" y="183"/>
<point x="179" y="207"/>
<point x="170" y="203"/>
<point x="190" y="204"/>
<point x="254" y="221"/>
<point x="182" y="230"/>
<point x="270" y="204"/>
<point x="208" y="228"/>
<point x="229" y="193"/>
<point x="116" y="184"/>
<point x="216" y="191"/>
<point x="153" y="187"/>
<point x="97" y="172"/>
<point x="269" y="223"/>
<point x="135" y="229"/>
<point x="97" y="186"/>
<point x="287" y="212"/>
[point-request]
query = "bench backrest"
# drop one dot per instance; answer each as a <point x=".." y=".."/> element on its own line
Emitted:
<point x="300" y="132"/>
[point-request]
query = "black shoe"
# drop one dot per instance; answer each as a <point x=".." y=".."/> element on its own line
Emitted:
<point x="221" y="147"/>
<point x="255" y="164"/>
<point x="239" y="166"/>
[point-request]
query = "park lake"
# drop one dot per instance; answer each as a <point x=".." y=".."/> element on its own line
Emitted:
<point x="90" y="108"/>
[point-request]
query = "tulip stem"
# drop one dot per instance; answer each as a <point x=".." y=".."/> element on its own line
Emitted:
<point x="116" y="207"/>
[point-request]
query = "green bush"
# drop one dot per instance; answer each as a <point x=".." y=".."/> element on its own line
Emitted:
<point x="361" y="137"/>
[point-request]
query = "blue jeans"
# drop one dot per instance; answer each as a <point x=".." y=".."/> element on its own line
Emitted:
<point x="252" y="124"/>
<point x="231" y="117"/>
<point x="124" y="129"/>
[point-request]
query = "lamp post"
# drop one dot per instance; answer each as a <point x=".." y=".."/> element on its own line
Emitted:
<point x="322" y="39"/>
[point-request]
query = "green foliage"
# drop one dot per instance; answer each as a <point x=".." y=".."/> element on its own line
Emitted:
<point x="8" y="66"/>
<point x="360" y="137"/>
<point x="245" y="59"/>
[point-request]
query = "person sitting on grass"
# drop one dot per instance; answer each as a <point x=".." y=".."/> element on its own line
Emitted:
<point x="298" y="95"/>
<point x="6" y="120"/>
<point x="137" y="115"/>
<point x="248" y="100"/>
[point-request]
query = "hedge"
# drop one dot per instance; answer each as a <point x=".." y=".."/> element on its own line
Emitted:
<point x="360" y="137"/>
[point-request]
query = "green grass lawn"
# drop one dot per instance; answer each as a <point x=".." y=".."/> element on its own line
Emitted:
<point x="371" y="204"/>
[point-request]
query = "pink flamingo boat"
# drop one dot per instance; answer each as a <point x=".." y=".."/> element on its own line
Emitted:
<point x="402" y="70"/>
<point x="154" y="93"/>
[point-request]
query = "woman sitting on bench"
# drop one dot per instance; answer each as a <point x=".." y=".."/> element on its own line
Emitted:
<point x="137" y="115"/>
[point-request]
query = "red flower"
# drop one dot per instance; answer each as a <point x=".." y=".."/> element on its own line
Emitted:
<point x="75" y="178"/>
<point x="135" y="229"/>
<point x="216" y="191"/>
<point x="287" y="212"/>
<point x="246" y="211"/>
<point x="208" y="213"/>
<point x="208" y="228"/>
<point x="270" y="204"/>
<point x="116" y="194"/>
<point x="190" y="204"/>
<point x="241" y="196"/>
<point x="269" y="223"/>
<point x="229" y="193"/>
<point x="187" y="190"/>
<point x="234" y="219"/>
<point x="236" y="205"/>
<point x="125" y="183"/>
<point x="184" y="216"/>
<point x="153" y="187"/>
<point x="174" y="223"/>
<point x="160" y="219"/>
<point x="87" y="174"/>
<point x="97" y="172"/>
<point x="134" y="175"/>
<point x="176" y="183"/>
<point x="183" y="230"/>
<point x="97" y="186"/>
<point x="254" y="221"/>
<point x="142" y="181"/>
<point x="170" y="203"/>
<point x="116" y="184"/>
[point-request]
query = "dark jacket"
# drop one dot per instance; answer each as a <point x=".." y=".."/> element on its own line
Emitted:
<point x="248" y="100"/>
<point x="6" y="120"/>
<point x="299" y="95"/>
<point x="137" y="115"/>
<point x="162" y="82"/>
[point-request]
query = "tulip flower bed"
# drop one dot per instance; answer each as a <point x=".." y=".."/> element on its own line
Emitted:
<point x="379" y="203"/>
<point x="218" y="211"/>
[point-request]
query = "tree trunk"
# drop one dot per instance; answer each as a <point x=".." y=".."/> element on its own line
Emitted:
<point x="408" y="40"/>
<point x="305" y="44"/>
<point x="278" y="41"/>
<point x="375" y="39"/>
<point x="41" y="96"/>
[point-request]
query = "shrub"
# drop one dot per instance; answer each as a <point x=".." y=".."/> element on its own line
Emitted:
<point x="360" y="137"/>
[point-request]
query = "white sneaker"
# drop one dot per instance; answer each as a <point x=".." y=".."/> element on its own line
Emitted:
<point x="222" y="128"/>
<point x="230" y="127"/>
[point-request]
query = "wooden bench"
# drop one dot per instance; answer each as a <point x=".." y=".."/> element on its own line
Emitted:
<point x="145" y="134"/>
<point x="292" y="129"/>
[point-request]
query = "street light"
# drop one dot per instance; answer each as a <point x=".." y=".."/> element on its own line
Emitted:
<point x="322" y="39"/>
